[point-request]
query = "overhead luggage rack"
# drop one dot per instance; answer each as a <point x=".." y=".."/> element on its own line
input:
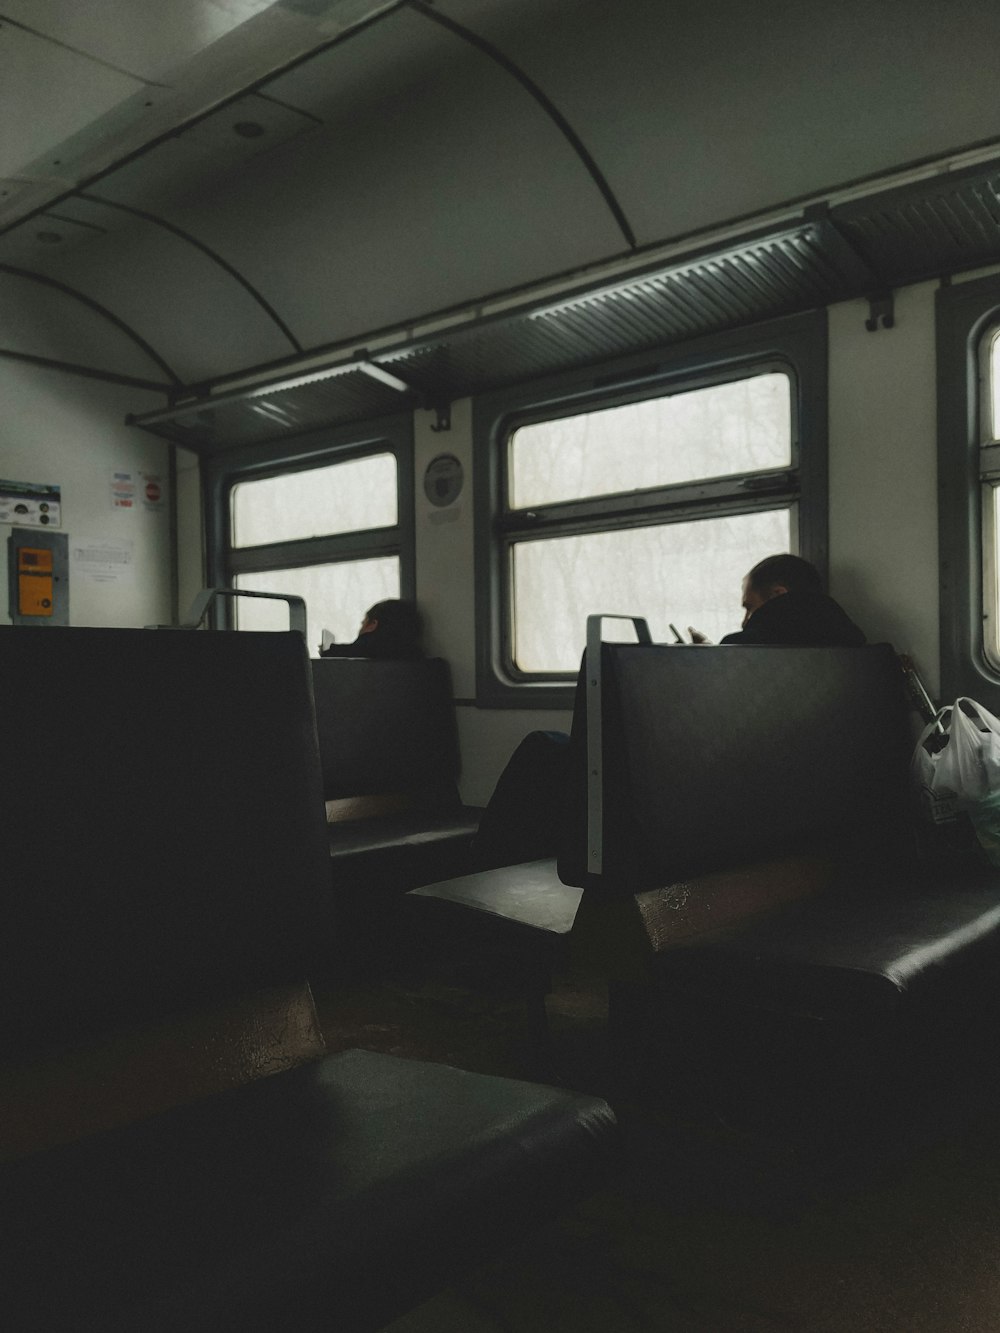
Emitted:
<point x="865" y="247"/>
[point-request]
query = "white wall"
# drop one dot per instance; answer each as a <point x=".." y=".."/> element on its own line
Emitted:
<point x="883" y="474"/>
<point x="446" y="593"/>
<point x="883" y="519"/>
<point x="68" y="431"/>
<point x="190" y="531"/>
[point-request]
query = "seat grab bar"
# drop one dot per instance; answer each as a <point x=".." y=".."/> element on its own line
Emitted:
<point x="592" y="665"/>
<point x="204" y="599"/>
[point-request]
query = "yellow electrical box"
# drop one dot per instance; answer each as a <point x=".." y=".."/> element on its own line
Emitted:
<point x="34" y="581"/>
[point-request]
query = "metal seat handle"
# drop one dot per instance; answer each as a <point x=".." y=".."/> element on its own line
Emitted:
<point x="592" y="666"/>
<point x="204" y="599"/>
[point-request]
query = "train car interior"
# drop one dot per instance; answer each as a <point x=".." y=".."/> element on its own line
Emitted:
<point x="539" y="961"/>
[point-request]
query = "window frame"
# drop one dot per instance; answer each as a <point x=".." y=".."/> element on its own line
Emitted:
<point x="312" y="449"/>
<point x="966" y="313"/>
<point x="796" y="345"/>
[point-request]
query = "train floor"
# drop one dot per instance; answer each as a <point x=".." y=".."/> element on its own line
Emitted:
<point x="710" y="1227"/>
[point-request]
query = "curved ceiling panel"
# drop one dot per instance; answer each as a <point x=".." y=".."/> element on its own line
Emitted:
<point x="433" y="178"/>
<point x="444" y="152"/>
<point x="86" y="90"/>
<point x="37" y="320"/>
<point x="186" y="304"/>
<point x="700" y="113"/>
<point x="146" y="40"/>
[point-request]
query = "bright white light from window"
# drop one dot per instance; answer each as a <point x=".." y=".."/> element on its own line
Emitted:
<point x="742" y="426"/>
<point x="341" y="497"/>
<point x="995" y="385"/>
<point x="336" y="596"/>
<point x="992" y="581"/>
<point x="680" y="573"/>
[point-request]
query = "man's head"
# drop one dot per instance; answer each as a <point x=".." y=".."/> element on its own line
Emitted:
<point x="775" y="576"/>
<point x="396" y="621"/>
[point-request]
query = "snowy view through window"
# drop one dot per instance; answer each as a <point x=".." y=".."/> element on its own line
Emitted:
<point x="322" y="501"/>
<point x="336" y="595"/>
<point x="351" y="496"/>
<point x="687" y="572"/>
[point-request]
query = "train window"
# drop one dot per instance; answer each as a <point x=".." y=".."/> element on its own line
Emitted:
<point x="332" y="593"/>
<point x="340" y="497"/>
<point x="968" y="392"/>
<point x="989" y="471"/>
<point x="326" y="516"/>
<point x="646" y="493"/>
<point x="687" y="573"/>
<point x="743" y="426"/>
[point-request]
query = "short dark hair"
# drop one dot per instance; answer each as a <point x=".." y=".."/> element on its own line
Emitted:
<point x="790" y="571"/>
<point x="398" y="621"/>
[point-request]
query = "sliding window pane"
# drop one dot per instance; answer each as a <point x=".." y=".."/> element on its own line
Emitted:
<point x="680" y="573"/>
<point x="336" y="596"/>
<point x="743" y="426"/>
<point x="320" y="502"/>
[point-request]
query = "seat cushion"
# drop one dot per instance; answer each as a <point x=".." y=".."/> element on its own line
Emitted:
<point x="848" y="956"/>
<point x="332" y="1195"/>
<point x="411" y="828"/>
<point x="529" y="896"/>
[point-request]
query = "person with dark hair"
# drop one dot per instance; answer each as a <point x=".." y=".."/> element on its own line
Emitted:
<point x="784" y="603"/>
<point x="390" y="629"/>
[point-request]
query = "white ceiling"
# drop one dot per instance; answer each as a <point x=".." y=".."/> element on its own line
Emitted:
<point x="238" y="182"/>
<point x="128" y="71"/>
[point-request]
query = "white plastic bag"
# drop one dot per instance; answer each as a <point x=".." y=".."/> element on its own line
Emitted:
<point x="963" y="773"/>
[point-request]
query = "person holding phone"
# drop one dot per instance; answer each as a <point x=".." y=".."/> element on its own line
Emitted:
<point x="784" y="602"/>
<point x="389" y="629"/>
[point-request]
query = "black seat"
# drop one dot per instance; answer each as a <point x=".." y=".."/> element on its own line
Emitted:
<point x="730" y="772"/>
<point x="331" y="1196"/>
<point x="388" y="736"/>
<point x="184" y="860"/>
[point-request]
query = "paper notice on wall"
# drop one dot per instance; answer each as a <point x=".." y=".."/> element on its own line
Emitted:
<point x="122" y="490"/>
<point x="153" y="491"/>
<point x="100" y="560"/>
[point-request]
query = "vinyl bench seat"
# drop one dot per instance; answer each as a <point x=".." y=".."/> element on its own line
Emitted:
<point x="333" y="1195"/>
<point x="180" y="1153"/>
<point x="389" y="751"/>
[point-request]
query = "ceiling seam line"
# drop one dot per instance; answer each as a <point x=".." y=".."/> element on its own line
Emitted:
<point x="79" y="51"/>
<point x="207" y="250"/>
<point x="76" y="222"/>
<point x="248" y="90"/>
<point x="89" y="372"/>
<point x="544" y="101"/>
<point x="287" y="106"/>
<point x="119" y="323"/>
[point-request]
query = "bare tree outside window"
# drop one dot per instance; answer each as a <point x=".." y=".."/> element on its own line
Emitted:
<point x="336" y="596"/>
<point x="742" y="426"/>
<point x="680" y="573"/>
<point x="341" y="497"/>
<point x="685" y="568"/>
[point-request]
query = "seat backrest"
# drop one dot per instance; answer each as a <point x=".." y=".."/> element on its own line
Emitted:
<point x="386" y="727"/>
<point x="164" y="830"/>
<point x="716" y="756"/>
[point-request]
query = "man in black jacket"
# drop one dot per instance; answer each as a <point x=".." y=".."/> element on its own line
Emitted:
<point x="390" y="630"/>
<point x="784" y="603"/>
